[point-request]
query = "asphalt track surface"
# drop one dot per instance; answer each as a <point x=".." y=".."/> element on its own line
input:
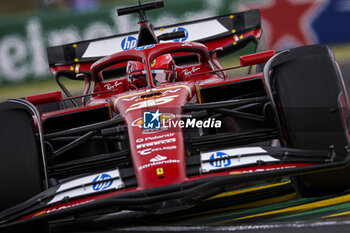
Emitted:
<point x="270" y="207"/>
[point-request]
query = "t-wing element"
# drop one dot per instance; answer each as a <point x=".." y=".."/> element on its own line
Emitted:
<point x="141" y="8"/>
<point x="172" y="35"/>
<point x="146" y="34"/>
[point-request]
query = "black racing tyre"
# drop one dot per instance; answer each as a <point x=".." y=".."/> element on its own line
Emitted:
<point x="307" y="83"/>
<point x="20" y="156"/>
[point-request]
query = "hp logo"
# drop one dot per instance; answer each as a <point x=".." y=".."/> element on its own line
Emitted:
<point x="223" y="159"/>
<point x="129" y="42"/>
<point x="181" y="39"/>
<point x="102" y="185"/>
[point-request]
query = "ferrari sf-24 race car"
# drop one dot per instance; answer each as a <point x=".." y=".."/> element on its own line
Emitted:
<point x="165" y="126"/>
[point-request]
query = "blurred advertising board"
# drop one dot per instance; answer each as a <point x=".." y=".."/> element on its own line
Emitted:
<point x="286" y="23"/>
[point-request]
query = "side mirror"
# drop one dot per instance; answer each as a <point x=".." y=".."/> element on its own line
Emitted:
<point x="45" y="98"/>
<point x="256" y="58"/>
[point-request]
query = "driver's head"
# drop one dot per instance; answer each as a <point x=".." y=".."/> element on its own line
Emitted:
<point x="136" y="75"/>
<point x="163" y="69"/>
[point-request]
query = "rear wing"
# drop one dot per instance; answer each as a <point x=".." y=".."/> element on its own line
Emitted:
<point x="231" y="30"/>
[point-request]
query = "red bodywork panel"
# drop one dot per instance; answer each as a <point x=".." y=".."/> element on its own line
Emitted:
<point x="45" y="98"/>
<point x="144" y="149"/>
<point x="158" y="156"/>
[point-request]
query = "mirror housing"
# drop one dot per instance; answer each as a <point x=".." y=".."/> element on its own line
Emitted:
<point x="256" y="58"/>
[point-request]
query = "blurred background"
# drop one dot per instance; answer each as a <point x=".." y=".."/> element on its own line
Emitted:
<point x="27" y="27"/>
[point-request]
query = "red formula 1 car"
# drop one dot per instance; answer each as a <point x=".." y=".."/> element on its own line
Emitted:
<point x="165" y="126"/>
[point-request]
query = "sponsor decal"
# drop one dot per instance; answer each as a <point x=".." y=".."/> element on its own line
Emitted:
<point x="102" y="185"/>
<point x="145" y="47"/>
<point x="82" y="186"/>
<point x="129" y="42"/>
<point x="223" y="159"/>
<point x="152" y="102"/>
<point x="158" y="158"/>
<point x="112" y="87"/>
<point x="136" y="97"/>
<point x="160" y="171"/>
<point x="158" y="163"/>
<point x="155" y="143"/>
<point x="157" y="137"/>
<point x="181" y="29"/>
<point x="151" y="120"/>
<point x="260" y="170"/>
<point x="190" y="72"/>
<point x="151" y="150"/>
<point x="234" y="158"/>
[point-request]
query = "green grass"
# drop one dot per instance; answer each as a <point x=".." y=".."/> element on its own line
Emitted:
<point x="18" y="90"/>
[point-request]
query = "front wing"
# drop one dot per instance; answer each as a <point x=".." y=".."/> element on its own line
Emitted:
<point x="213" y="175"/>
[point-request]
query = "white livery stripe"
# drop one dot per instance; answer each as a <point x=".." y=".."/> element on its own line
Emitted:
<point x="229" y="158"/>
<point x="235" y="151"/>
<point x="199" y="31"/>
<point x="79" y="187"/>
<point x="105" y="47"/>
<point x="195" y="32"/>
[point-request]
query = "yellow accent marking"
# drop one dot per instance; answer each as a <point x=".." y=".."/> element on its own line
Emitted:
<point x="254" y="204"/>
<point x="147" y="92"/>
<point x="161" y="29"/>
<point x="153" y="63"/>
<point x="243" y="206"/>
<point x="199" y="97"/>
<point x="76" y="59"/>
<point x="232" y="16"/>
<point x="109" y="105"/>
<point x="75" y="45"/>
<point x="160" y="171"/>
<point x="77" y="71"/>
<point x="313" y="205"/>
<point x="234" y="31"/>
<point x="264" y="202"/>
<point x="250" y="189"/>
<point x="235" y="43"/>
<point x="338" y="214"/>
<point x="71" y="68"/>
<point x="241" y="37"/>
<point x="39" y="213"/>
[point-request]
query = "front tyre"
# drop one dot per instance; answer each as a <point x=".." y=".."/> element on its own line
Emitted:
<point x="20" y="157"/>
<point x="308" y="84"/>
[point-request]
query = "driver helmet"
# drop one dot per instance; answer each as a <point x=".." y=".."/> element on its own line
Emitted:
<point x="136" y="74"/>
<point x="162" y="68"/>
